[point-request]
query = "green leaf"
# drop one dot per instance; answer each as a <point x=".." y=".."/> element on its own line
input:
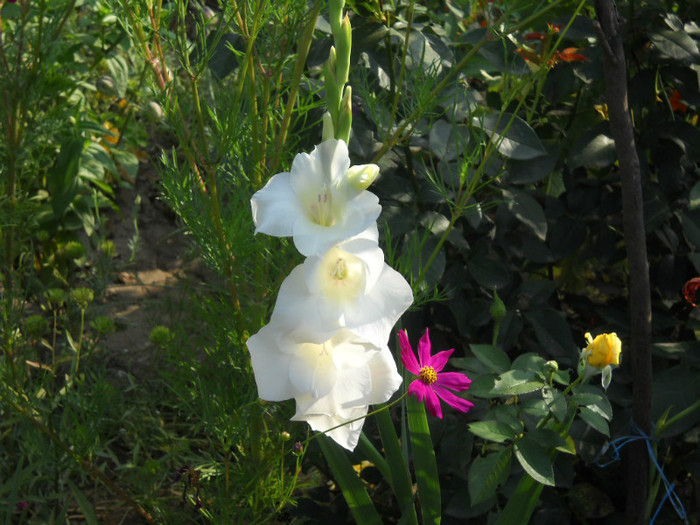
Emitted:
<point x="556" y="403"/>
<point x="593" y="152"/>
<point x="119" y="68"/>
<point x="515" y="382"/>
<point x="427" y="477"/>
<point x="522" y="502"/>
<point x="487" y="473"/>
<point x="85" y="506"/>
<point x="677" y="45"/>
<point x="554" y="334"/>
<point x="594" y="398"/>
<point x="400" y="478"/>
<point x="354" y="492"/>
<point x="493" y="431"/>
<point x="535" y="460"/>
<point x="550" y="438"/>
<point x="61" y="178"/>
<point x="492" y="356"/>
<point x="527" y="210"/>
<point x="595" y="420"/>
<point x="489" y="273"/>
<point x="519" y="141"/>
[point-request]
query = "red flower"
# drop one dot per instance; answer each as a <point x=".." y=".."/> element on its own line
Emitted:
<point x="690" y="290"/>
<point x="676" y="101"/>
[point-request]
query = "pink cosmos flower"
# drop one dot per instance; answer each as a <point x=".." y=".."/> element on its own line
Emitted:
<point x="432" y="383"/>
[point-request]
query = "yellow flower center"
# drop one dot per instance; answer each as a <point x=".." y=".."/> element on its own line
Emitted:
<point x="604" y="350"/>
<point x="428" y="375"/>
<point x="342" y="275"/>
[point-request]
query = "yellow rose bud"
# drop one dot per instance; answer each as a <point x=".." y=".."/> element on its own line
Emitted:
<point x="604" y="350"/>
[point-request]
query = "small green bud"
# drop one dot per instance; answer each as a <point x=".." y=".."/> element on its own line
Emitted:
<point x="73" y="250"/>
<point x="335" y="13"/>
<point x="361" y="176"/>
<point x="160" y="336"/>
<point x="55" y="297"/>
<point x="286" y="436"/>
<point x="103" y="325"/>
<point x="551" y="366"/>
<point x="498" y="308"/>
<point x="82" y="296"/>
<point x="107" y="86"/>
<point x="343" y="42"/>
<point x="345" y="118"/>
<point x="332" y="89"/>
<point x="108" y="249"/>
<point x="328" y="129"/>
<point x="153" y="111"/>
<point x="35" y="326"/>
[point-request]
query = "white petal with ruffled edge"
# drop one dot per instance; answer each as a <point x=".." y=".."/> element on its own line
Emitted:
<point x="349" y="287"/>
<point x="356" y="388"/>
<point x="313" y="203"/>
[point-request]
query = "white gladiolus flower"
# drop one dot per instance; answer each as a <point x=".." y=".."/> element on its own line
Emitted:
<point x="317" y="203"/>
<point x="350" y="286"/>
<point x="355" y="389"/>
<point x="333" y="381"/>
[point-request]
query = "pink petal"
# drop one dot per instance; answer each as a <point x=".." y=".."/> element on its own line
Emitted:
<point x="455" y="402"/>
<point x="418" y="389"/>
<point x="424" y="350"/>
<point x="432" y="403"/>
<point x="439" y="360"/>
<point x="408" y="358"/>
<point x="453" y="380"/>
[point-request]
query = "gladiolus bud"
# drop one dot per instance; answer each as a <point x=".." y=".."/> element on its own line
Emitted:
<point x="345" y="117"/>
<point x="361" y="176"/>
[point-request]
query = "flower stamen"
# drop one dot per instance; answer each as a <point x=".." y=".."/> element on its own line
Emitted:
<point x="428" y="375"/>
<point x="322" y="209"/>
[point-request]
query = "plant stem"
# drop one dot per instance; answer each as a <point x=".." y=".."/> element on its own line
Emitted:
<point x="610" y="36"/>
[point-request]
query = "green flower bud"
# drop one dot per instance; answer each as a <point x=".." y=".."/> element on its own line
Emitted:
<point x="153" y="111"/>
<point x="286" y="436"/>
<point x="103" y="325"/>
<point x="160" y="336"/>
<point x="74" y="250"/>
<point x="55" y="297"/>
<point x="332" y="89"/>
<point x="345" y="117"/>
<point x="328" y="128"/>
<point x="343" y="42"/>
<point x="551" y="366"/>
<point x="107" y="86"/>
<point x="361" y="176"/>
<point x="82" y="296"/>
<point x="498" y="308"/>
<point x="335" y="13"/>
<point x="108" y="249"/>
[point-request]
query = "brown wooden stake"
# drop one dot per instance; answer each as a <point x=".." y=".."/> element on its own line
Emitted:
<point x="638" y="351"/>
